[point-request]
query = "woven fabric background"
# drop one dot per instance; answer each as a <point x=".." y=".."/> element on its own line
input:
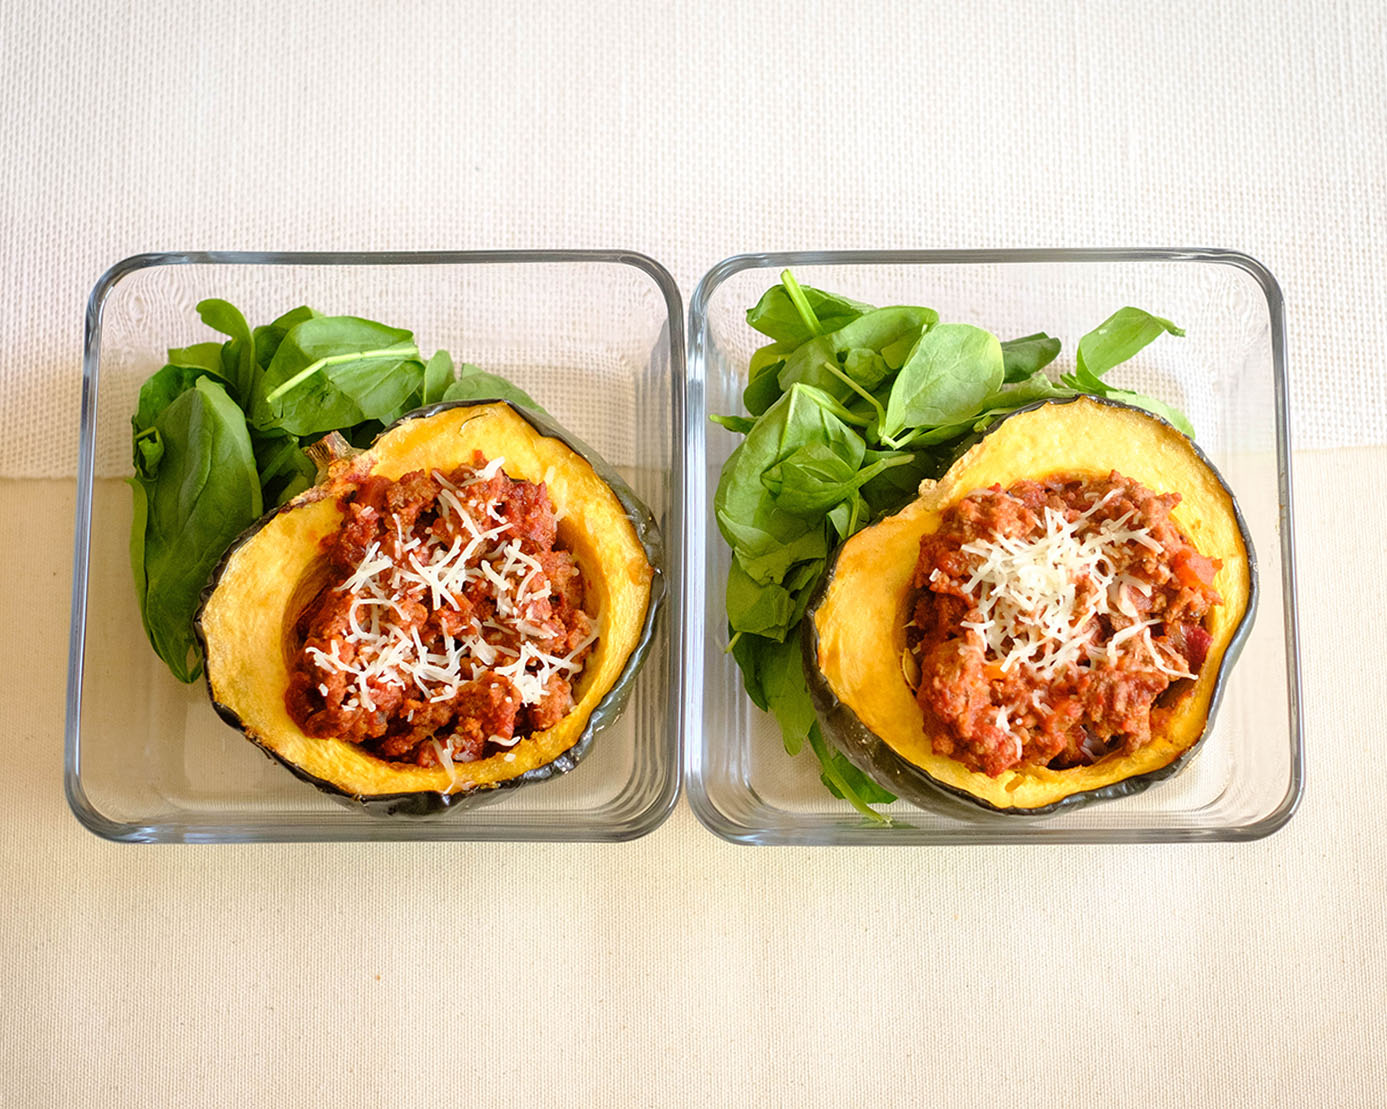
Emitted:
<point x="678" y="969"/>
<point x="689" y="132"/>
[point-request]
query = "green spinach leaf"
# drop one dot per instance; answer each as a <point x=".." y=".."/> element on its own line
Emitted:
<point x="845" y="781"/>
<point x="438" y="375"/>
<point x="787" y="693"/>
<point x="330" y="372"/>
<point x="1119" y="337"/>
<point x="776" y="315"/>
<point x="164" y="386"/>
<point x="475" y="384"/>
<point x="758" y="608"/>
<point x="824" y="361"/>
<point x="201" y="492"/>
<point x="268" y="337"/>
<point x="238" y="355"/>
<point x="952" y="369"/>
<point x="1028" y="355"/>
<point x="738" y="425"/>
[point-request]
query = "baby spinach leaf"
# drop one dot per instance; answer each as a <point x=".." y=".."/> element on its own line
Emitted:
<point x="738" y="425"/>
<point x="767" y="559"/>
<point x="238" y="355"/>
<point x="845" y="781"/>
<point x="1119" y="337"/>
<point x="747" y="651"/>
<point x="268" y="337"/>
<point x="1112" y="342"/>
<point x="952" y="369"/>
<point x="1018" y="394"/>
<point x="164" y="386"/>
<point x="809" y="480"/>
<point x="893" y="485"/>
<point x="763" y="385"/>
<point x="203" y="492"/>
<point x="205" y="357"/>
<point x="285" y="471"/>
<point x="762" y="392"/>
<point x="331" y="372"/>
<point x="1167" y="412"/>
<point x="775" y="313"/>
<point x="812" y="479"/>
<point x="475" y="384"/>
<point x="801" y="583"/>
<point x="866" y="367"/>
<point x="766" y="540"/>
<point x="1028" y="355"/>
<point x="438" y="375"/>
<point x="760" y="608"/>
<point x="819" y="362"/>
<point x="787" y="693"/>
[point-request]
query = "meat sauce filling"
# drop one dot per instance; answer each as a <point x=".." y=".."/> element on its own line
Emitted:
<point x="452" y="625"/>
<point x="1054" y="622"/>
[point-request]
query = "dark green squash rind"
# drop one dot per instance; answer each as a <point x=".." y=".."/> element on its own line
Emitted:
<point x="428" y="802"/>
<point x="875" y="758"/>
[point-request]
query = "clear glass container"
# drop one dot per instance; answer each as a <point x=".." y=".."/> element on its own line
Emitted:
<point x="596" y="336"/>
<point x="1228" y="374"/>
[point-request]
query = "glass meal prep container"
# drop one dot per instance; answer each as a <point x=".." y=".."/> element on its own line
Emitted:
<point x="1228" y="374"/>
<point x="596" y="337"/>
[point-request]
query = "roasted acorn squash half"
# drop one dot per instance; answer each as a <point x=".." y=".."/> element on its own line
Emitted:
<point x="856" y="634"/>
<point x="263" y="583"/>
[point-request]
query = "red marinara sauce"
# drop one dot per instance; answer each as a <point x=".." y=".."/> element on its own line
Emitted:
<point x="452" y="624"/>
<point x="1054" y="621"/>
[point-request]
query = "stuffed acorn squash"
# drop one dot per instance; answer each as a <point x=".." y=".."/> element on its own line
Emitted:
<point x="858" y="655"/>
<point x="254" y="614"/>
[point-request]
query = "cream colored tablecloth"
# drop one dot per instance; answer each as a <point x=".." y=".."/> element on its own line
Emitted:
<point x="677" y="969"/>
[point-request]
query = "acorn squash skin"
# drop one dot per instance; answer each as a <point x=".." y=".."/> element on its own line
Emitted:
<point x="855" y="632"/>
<point x="265" y="578"/>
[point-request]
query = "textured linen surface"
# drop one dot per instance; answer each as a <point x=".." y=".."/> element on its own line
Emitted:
<point x="677" y="969"/>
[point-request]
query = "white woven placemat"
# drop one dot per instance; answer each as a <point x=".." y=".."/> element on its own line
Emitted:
<point x="689" y="132"/>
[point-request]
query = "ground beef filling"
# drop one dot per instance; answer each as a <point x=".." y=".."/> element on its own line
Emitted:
<point x="452" y="625"/>
<point x="1054" y="622"/>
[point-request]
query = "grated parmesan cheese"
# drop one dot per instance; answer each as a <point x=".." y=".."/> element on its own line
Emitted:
<point x="383" y="644"/>
<point x="1036" y="600"/>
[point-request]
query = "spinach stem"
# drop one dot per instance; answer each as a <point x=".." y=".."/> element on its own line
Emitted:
<point x="801" y="303"/>
<point x="400" y="352"/>
<point x="856" y="388"/>
<point x="826" y="401"/>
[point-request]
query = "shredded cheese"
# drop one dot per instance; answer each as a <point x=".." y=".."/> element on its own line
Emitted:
<point x="1036" y="601"/>
<point x="405" y="577"/>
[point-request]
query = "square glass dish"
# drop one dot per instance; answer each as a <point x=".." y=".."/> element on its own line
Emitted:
<point x="1228" y="374"/>
<point x="597" y="337"/>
